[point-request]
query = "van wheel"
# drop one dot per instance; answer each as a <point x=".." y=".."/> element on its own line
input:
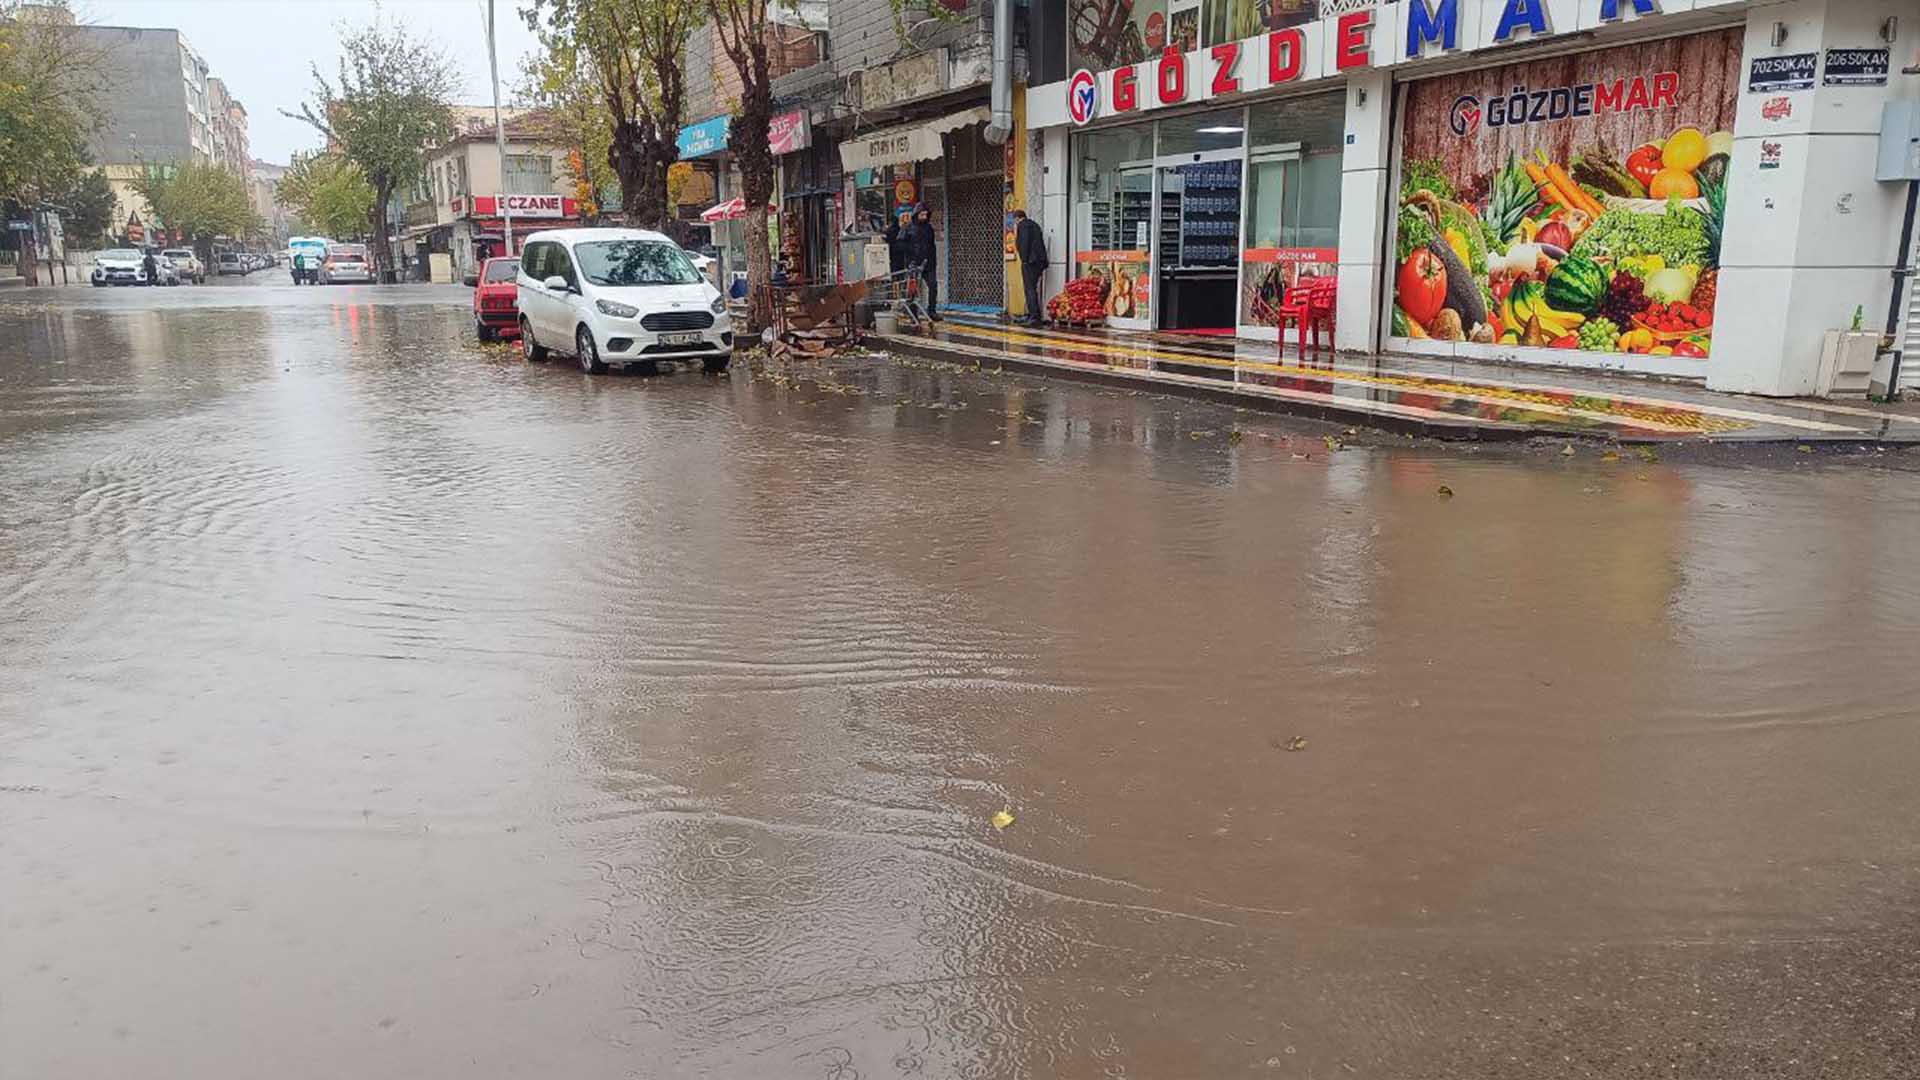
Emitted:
<point x="483" y="332"/>
<point x="529" y="348"/>
<point x="714" y="365"/>
<point x="584" y="351"/>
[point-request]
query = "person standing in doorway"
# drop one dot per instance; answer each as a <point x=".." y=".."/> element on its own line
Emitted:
<point x="923" y="257"/>
<point x="1031" y="246"/>
<point x="896" y="237"/>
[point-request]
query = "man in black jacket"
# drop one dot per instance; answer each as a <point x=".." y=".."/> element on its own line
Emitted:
<point x="923" y="258"/>
<point x="1031" y="246"/>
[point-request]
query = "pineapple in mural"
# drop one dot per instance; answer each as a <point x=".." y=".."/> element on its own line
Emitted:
<point x="1707" y="289"/>
<point x="1512" y="195"/>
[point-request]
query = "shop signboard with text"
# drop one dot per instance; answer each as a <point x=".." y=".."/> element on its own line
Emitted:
<point x="1126" y="282"/>
<point x="789" y="132"/>
<point x="1263" y="44"/>
<point x="525" y="206"/>
<point x="1573" y="203"/>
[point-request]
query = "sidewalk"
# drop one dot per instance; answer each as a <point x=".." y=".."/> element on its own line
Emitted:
<point x="1439" y="399"/>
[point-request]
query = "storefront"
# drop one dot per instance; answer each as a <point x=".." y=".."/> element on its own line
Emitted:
<point x="946" y="167"/>
<point x="1575" y="182"/>
<point x="1200" y="222"/>
<point x="811" y="198"/>
<point x="479" y="231"/>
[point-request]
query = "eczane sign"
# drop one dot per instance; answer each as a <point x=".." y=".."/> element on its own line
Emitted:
<point x="531" y="206"/>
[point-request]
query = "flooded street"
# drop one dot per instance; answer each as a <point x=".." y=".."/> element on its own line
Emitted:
<point x="375" y="704"/>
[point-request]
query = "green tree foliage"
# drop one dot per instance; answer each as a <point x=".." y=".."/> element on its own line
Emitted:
<point x="330" y="194"/>
<point x="202" y="200"/>
<point x="50" y="82"/>
<point x="634" y="53"/>
<point x="87" y="209"/>
<point x="390" y="99"/>
<point x="573" y="114"/>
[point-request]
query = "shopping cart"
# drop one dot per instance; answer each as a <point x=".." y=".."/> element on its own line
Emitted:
<point x="900" y="292"/>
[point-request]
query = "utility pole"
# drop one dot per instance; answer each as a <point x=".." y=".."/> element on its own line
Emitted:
<point x="499" y="134"/>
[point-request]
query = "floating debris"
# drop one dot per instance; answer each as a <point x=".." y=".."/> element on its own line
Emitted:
<point x="1001" y="819"/>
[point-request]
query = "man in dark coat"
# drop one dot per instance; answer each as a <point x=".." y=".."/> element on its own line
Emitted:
<point x="922" y="256"/>
<point x="1032" y="249"/>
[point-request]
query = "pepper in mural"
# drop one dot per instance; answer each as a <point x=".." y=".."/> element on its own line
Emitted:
<point x="1570" y="203"/>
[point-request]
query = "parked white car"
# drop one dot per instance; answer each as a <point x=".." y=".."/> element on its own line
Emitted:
<point x="120" y="266"/>
<point x="189" y="264"/>
<point x="619" y="296"/>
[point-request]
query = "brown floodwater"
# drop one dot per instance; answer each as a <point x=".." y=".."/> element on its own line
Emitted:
<point x="374" y="704"/>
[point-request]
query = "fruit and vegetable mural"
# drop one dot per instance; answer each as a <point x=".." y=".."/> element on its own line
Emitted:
<point x="1570" y="203"/>
<point x="1111" y="283"/>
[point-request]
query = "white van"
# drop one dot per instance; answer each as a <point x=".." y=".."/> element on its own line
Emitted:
<point x="619" y="296"/>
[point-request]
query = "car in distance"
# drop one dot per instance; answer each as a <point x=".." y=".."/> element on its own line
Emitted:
<point x="496" y="308"/>
<point x="619" y="296"/>
<point x="164" y="271"/>
<point x="346" y="263"/>
<point x="119" y="266"/>
<point x="228" y="262"/>
<point x="188" y="263"/>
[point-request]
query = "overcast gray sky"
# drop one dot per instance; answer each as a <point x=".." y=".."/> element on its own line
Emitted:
<point x="265" y="49"/>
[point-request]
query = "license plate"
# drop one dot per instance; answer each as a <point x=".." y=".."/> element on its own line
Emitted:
<point x="679" y="339"/>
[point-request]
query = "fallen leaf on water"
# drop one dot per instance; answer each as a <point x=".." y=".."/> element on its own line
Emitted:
<point x="1609" y="456"/>
<point x="1567" y="450"/>
<point x="1298" y="742"/>
<point x="1647" y="454"/>
<point x="1332" y="443"/>
<point x="1446" y="492"/>
<point x="1804" y="448"/>
<point x="1002" y="818"/>
<point x="1199" y="434"/>
<point x="1235" y="436"/>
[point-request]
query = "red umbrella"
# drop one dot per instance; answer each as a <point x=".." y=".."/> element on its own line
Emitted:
<point x="727" y="211"/>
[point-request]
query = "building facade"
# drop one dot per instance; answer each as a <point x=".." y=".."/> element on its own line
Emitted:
<point x="1669" y="187"/>
<point x="458" y="210"/>
<point x="263" y="190"/>
<point x="163" y="109"/>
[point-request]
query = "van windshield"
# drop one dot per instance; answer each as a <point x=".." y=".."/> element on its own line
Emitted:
<point x="635" y="262"/>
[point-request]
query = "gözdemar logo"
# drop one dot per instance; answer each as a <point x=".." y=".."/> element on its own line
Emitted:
<point x="1464" y="118"/>
<point x="1083" y="96"/>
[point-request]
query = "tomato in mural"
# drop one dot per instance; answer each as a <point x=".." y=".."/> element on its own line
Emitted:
<point x="1574" y="202"/>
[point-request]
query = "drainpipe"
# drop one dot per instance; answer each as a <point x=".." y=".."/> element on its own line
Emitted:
<point x="1001" y="125"/>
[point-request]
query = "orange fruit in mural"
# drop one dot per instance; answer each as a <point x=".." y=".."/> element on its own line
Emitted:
<point x="1668" y="183"/>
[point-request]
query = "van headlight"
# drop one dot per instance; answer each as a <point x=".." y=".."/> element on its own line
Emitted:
<point x="618" y="311"/>
<point x="719" y="305"/>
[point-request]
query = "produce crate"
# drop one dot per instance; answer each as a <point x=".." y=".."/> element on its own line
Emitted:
<point x="1077" y="324"/>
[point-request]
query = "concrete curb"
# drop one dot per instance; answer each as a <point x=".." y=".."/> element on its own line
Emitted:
<point x="1264" y="399"/>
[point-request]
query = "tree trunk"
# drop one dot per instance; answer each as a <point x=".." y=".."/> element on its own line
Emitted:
<point x="640" y="157"/>
<point x="752" y="148"/>
<point x="378" y="246"/>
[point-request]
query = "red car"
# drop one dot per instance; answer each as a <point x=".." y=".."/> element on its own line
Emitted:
<point x="496" y="300"/>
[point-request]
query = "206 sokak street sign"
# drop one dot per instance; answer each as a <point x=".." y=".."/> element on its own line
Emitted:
<point x="1320" y="49"/>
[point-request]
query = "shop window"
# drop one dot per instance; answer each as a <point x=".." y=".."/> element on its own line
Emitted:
<point x="1292" y="224"/>
<point x="1222" y="129"/>
<point x="1112" y="176"/>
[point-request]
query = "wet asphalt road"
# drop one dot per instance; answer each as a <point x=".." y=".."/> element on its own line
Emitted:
<point x="374" y="704"/>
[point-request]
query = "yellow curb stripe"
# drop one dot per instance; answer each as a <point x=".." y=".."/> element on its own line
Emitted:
<point x="1662" y="419"/>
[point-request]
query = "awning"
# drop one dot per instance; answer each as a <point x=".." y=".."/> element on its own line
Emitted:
<point x="908" y="142"/>
<point x="727" y="211"/>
